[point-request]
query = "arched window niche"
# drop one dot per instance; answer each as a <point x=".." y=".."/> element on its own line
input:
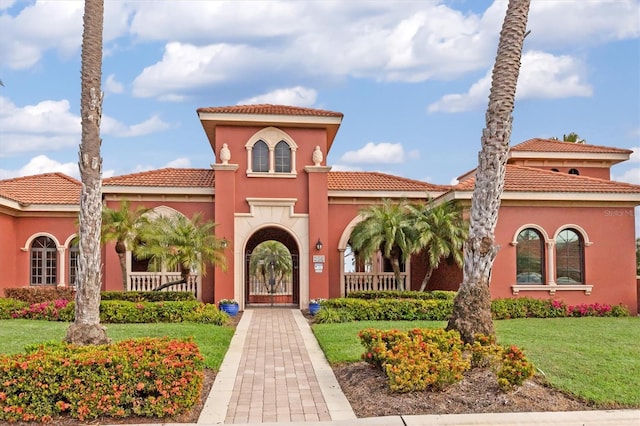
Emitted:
<point x="43" y="261"/>
<point x="271" y="153"/>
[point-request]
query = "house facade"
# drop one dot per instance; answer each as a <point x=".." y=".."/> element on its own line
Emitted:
<point x="565" y="229"/>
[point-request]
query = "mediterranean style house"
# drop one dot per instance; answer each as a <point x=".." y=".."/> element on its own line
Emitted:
<point x="565" y="229"/>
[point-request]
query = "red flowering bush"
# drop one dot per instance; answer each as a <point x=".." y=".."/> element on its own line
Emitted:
<point x="43" y="310"/>
<point x="146" y="377"/>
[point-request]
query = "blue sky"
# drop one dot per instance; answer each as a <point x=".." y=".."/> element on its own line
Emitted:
<point x="411" y="78"/>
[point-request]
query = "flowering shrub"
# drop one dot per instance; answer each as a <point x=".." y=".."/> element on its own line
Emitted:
<point x="228" y="302"/>
<point x="8" y="307"/>
<point x="145" y="377"/>
<point x="42" y="311"/>
<point x="435" y="358"/>
<point x="418" y="359"/>
<point x="525" y="307"/>
<point x="318" y="300"/>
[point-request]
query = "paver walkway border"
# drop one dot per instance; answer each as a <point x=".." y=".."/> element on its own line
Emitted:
<point x="215" y="410"/>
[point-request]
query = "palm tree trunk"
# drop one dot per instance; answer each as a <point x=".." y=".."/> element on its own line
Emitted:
<point x="395" y="265"/>
<point x="425" y="280"/>
<point x="86" y="328"/>
<point x="472" y="305"/>
<point x="123" y="269"/>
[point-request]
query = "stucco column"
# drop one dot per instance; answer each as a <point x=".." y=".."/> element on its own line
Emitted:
<point x="318" y="231"/>
<point x="551" y="267"/>
<point x="225" y="200"/>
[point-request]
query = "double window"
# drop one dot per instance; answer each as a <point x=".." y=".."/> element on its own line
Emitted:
<point x="532" y="258"/>
<point x="271" y="152"/>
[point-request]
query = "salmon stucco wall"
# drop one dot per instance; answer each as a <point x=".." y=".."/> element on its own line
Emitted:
<point x="8" y="252"/>
<point x="61" y="228"/>
<point x="607" y="230"/>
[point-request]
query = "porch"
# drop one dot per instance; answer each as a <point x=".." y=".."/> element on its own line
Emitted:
<point x="149" y="281"/>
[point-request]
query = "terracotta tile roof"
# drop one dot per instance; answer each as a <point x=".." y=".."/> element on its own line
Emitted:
<point x="551" y="145"/>
<point x="268" y="109"/>
<point x="528" y="179"/>
<point x="374" y="181"/>
<point x="181" y="178"/>
<point x="47" y="188"/>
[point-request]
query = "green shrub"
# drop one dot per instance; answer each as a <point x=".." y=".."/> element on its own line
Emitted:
<point x="356" y="309"/>
<point x="10" y="307"/>
<point x="332" y="316"/>
<point x="148" y="296"/>
<point x="123" y="312"/>
<point x="391" y="294"/>
<point x="144" y="377"/>
<point x="208" y="314"/>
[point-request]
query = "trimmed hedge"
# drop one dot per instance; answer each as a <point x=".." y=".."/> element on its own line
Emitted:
<point x="422" y="295"/>
<point x="148" y="296"/>
<point x="118" y="311"/>
<point x="365" y="306"/>
<point x="33" y="295"/>
<point x="144" y="377"/>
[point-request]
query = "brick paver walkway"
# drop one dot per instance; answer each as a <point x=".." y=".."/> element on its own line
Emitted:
<point x="276" y="381"/>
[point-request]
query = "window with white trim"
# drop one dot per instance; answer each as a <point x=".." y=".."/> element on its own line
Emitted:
<point x="43" y="261"/>
<point x="569" y="257"/>
<point x="530" y="267"/>
<point x="271" y="152"/>
<point x="74" y="257"/>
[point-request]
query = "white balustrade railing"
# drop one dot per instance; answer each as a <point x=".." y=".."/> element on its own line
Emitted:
<point x="367" y="281"/>
<point x="259" y="288"/>
<point x="148" y="281"/>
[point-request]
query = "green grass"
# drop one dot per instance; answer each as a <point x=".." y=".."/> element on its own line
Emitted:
<point x="595" y="359"/>
<point x="212" y="340"/>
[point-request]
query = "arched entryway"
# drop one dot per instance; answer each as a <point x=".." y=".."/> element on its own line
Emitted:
<point x="265" y="282"/>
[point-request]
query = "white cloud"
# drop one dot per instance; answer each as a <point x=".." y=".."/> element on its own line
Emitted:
<point x="50" y="125"/>
<point x="112" y="85"/>
<point x="179" y="163"/>
<point x="47" y="125"/>
<point x="345" y="168"/>
<point x="153" y="124"/>
<point x="630" y="176"/>
<point x="371" y="153"/>
<point x="542" y="76"/>
<point x="42" y="164"/>
<point x="297" y="96"/>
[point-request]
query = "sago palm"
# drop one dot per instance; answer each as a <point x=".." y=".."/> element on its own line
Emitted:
<point x="442" y="232"/>
<point x="385" y="228"/>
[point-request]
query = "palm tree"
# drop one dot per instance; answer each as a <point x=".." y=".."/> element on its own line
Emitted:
<point x="472" y="305"/>
<point x="441" y="232"/>
<point x="268" y="257"/>
<point x="180" y="243"/>
<point x="122" y="226"/>
<point x="86" y="328"/>
<point x="385" y="228"/>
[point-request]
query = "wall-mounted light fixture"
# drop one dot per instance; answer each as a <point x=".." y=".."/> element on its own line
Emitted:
<point x="319" y="245"/>
<point x="224" y="243"/>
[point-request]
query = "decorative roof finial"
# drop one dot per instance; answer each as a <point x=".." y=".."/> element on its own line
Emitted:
<point x="225" y="154"/>
<point x="317" y="156"/>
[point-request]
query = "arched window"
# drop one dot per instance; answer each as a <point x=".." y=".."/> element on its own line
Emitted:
<point x="44" y="261"/>
<point x="282" y="157"/>
<point x="574" y="172"/>
<point x="74" y="254"/>
<point x="260" y="158"/>
<point x="569" y="257"/>
<point x="530" y="257"/>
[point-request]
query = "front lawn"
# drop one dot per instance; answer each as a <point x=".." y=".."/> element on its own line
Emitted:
<point x="212" y="340"/>
<point x="597" y="359"/>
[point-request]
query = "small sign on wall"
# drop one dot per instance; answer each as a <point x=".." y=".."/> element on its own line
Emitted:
<point x="318" y="267"/>
<point x="318" y="258"/>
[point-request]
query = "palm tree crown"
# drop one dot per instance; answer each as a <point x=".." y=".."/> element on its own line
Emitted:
<point x="178" y="242"/>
